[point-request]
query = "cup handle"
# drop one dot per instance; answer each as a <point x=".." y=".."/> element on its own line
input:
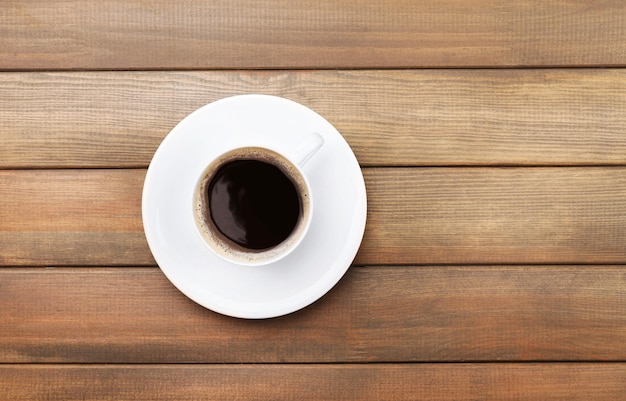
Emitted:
<point x="307" y="148"/>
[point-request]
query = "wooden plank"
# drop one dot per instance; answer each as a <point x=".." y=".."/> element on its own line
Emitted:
<point x="133" y="34"/>
<point x="415" y="216"/>
<point x="437" y="382"/>
<point x="488" y="215"/>
<point x="51" y="217"/>
<point x="374" y="314"/>
<point x="54" y="248"/>
<point x="418" y="117"/>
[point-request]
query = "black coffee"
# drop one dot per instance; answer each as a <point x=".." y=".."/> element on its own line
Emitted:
<point x="253" y="203"/>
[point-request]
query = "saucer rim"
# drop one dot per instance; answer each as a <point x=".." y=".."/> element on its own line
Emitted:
<point x="252" y="310"/>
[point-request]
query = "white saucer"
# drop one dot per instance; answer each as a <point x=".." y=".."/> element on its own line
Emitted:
<point x="291" y="283"/>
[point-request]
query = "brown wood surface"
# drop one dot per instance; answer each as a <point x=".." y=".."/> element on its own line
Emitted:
<point x="412" y="117"/>
<point x="415" y="216"/>
<point x="135" y="34"/>
<point x="437" y="382"/>
<point x="58" y="217"/>
<point x="493" y="265"/>
<point x="375" y="314"/>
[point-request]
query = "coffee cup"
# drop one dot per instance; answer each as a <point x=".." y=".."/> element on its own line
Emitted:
<point x="253" y="204"/>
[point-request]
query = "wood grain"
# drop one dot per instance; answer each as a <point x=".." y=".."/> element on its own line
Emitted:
<point x="418" y="117"/>
<point x="415" y="216"/>
<point x="494" y="261"/>
<point x="374" y="314"/>
<point x="134" y="34"/>
<point x="51" y="217"/>
<point x="506" y="215"/>
<point x="447" y="382"/>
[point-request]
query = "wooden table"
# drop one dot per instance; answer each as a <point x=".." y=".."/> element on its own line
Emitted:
<point x="492" y="139"/>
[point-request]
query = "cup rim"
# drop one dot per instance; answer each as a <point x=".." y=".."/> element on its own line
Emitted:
<point x="227" y="249"/>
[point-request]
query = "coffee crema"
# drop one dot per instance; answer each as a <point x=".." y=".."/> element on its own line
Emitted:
<point x="253" y="203"/>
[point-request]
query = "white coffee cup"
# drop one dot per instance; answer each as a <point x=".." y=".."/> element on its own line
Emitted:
<point x="253" y="205"/>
